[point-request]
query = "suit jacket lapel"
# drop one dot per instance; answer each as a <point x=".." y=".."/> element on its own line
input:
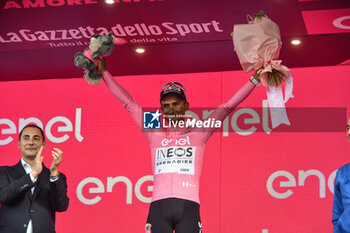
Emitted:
<point x="18" y="170"/>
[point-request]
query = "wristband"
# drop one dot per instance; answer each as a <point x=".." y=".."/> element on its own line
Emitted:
<point x="254" y="81"/>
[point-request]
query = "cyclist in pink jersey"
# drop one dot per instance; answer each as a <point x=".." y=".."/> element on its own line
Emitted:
<point x="177" y="154"/>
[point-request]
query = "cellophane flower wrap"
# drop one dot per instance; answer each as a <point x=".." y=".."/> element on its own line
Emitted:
<point x="258" y="45"/>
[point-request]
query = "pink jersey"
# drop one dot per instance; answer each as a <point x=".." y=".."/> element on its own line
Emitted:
<point x="177" y="154"/>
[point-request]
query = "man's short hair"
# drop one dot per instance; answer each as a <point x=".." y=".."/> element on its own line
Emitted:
<point x="33" y="126"/>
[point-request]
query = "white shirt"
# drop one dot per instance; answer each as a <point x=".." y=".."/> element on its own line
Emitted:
<point x="28" y="169"/>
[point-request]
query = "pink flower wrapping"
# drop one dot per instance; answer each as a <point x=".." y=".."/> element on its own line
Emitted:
<point x="258" y="45"/>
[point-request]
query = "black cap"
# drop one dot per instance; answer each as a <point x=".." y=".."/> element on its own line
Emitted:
<point x="173" y="88"/>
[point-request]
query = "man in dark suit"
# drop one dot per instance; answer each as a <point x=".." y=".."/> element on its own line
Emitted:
<point x="30" y="193"/>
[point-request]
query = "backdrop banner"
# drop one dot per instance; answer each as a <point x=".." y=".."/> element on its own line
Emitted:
<point x="255" y="179"/>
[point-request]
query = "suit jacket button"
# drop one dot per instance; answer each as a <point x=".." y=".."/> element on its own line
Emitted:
<point x="31" y="211"/>
<point x="25" y="225"/>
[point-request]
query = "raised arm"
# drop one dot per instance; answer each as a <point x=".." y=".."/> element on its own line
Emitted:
<point x="121" y="94"/>
<point x="226" y="108"/>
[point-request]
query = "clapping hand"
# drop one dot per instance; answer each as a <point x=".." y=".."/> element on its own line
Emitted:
<point x="57" y="158"/>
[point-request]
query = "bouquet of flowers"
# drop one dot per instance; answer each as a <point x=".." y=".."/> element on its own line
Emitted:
<point x="258" y="45"/>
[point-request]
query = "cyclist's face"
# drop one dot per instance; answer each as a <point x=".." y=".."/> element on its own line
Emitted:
<point x="173" y="107"/>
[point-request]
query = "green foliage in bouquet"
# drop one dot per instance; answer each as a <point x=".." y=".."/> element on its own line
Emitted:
<point x="275" y="78"/>
<point x="260" y="14"/>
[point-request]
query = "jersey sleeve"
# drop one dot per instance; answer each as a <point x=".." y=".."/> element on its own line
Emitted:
<point x="125" y="98"/>
<point x="226" y="108"/>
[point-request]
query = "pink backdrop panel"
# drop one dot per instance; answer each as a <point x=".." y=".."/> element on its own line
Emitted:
<point x="107" y="158"/>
